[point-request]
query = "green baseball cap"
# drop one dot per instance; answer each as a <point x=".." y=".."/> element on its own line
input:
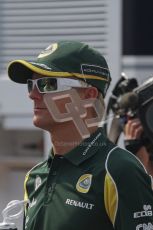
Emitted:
<point x="68" y="59"/>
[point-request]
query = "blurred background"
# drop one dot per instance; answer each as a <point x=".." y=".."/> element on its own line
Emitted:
<point x="120" y="29"/>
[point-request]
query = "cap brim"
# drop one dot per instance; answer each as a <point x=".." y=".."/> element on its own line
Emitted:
<point x="20" y="71"/>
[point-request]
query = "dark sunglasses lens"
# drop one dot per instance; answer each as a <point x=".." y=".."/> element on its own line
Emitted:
<point x="47" y="84"/>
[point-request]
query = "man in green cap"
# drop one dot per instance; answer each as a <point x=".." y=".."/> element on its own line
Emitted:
<point x="87" y="182"/>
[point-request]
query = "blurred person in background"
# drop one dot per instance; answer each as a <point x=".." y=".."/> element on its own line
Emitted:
<point x="137" y="144"/>
<point x="132" y="107"/>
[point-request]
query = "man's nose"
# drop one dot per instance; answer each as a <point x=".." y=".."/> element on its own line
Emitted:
<point x="35" y="94"/>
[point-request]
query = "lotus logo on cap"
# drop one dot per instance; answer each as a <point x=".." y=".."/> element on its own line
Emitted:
<point x="84" y="183"/>
<point x="49" y="50"/>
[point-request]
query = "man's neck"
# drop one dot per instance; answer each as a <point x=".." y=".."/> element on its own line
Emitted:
<point x="65" y="138"/>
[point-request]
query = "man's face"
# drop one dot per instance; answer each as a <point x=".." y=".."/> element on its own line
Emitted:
<point x="42" y="118"/>
<point x="57" y="102"/>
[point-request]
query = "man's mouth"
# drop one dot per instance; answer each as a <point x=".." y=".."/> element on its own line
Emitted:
<point x="39" y="109"/>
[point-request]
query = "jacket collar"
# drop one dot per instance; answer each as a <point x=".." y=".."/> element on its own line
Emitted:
<point x="87" y="148"/>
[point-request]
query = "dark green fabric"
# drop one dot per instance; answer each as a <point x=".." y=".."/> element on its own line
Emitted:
<point x="135" y="196"/>
<point x="56" y="204"/>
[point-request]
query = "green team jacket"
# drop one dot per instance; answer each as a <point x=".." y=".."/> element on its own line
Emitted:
<point x="95" y="186"/>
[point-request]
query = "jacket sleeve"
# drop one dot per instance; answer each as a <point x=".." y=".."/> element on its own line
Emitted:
<point x="128" y="192"/>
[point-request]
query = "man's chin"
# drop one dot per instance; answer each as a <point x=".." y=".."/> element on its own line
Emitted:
<point x="37" y="122"/>
<point x="41" y="124"/>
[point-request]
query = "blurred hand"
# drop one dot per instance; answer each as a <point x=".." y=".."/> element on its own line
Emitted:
<point x="133" y="129"/>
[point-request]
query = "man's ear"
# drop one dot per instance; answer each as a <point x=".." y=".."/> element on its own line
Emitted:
<point x="91" y="92"/>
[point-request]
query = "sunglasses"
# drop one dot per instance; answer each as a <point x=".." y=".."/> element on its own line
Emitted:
<point x="49" y="84"/>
